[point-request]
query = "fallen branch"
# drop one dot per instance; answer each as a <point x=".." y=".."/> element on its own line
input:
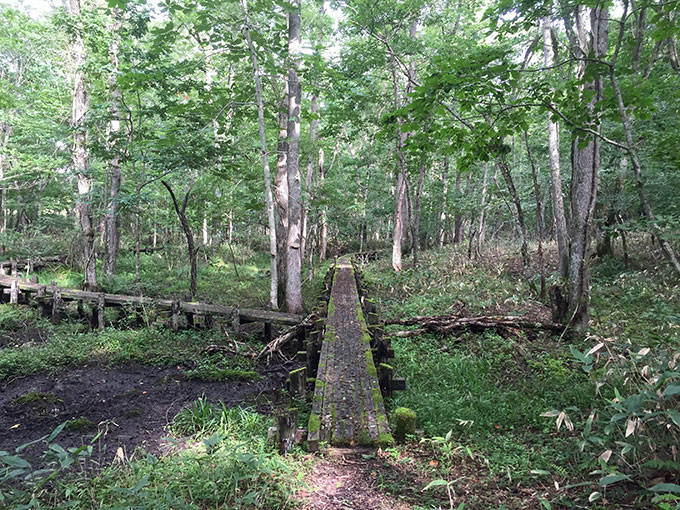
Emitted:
<point x="274" y="347"/>
<point x="453" y="324"/>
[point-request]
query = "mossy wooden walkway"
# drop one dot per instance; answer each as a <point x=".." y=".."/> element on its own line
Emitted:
<point x="348" y="407"/>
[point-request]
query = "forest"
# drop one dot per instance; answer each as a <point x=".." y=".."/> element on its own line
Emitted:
<point x="383" y="254"/>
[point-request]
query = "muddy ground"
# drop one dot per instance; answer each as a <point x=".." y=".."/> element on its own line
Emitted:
<point x="132" y="405"/>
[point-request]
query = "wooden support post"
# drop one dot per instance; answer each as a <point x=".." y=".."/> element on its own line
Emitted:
<point x="35" y="279"/>
<point x="13" y="264"/>
<point x="14" y="292"/>
<point x="190" y="320"/>
<point x="56" y="304"/>
<point x="2" y="269"/>
<point x="385" y="374"/>
<point x="101" y="306"/>
<point x="267" y="332"/>
<point x="29" y="267"/>
<point x="236" y="323"/>
<point x="298" y="382"/>
<point x="208" y="321"/>
<point x="174" y="315"/>
<point x="287" y="421"/>
<point x="301" y="335"/>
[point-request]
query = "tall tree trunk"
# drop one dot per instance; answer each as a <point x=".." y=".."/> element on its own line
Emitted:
<point x="539" y="215"/>
<point x="281" y="190"/>
<point x="554" y="154"/>
<point x="585" y="179"/>
<point x="458" y="224"/>
<point x="114" y="164"/>
<point x="482" y="212"/>
<point x="635" y="160"/>
<point x="514" y="196"/>
<point x="5" y="133"/>
<point x="445" y="200"/>
<point x="309" y="175"/>
<point x="294" y="241"/>
<point x="188" y="233"/>
<point x="400" y="192"/>
<point x="323" y="241"/>
<point x="83" y="207"/>
<point x="273" y="288"/>
<point x="415" y="214"/>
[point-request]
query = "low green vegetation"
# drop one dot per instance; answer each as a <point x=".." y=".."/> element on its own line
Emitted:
<point x="600" y="411"/>
<point x="34" y="397"/>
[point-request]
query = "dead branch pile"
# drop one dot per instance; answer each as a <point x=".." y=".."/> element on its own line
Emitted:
<point x="274" y="348"/>
<point x="455" y="325"/>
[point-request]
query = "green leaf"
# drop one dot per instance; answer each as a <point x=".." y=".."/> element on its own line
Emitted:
<point x="435" y="483"/>
<point x="665" y="487"/>
<point x="671" y="390"/>
<point x="612" y="479"/>
<point x="14" y="461"/>
<point x="675" y="416"/>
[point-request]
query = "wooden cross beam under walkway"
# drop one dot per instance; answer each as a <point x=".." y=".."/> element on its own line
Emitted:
<point x="348" y="406"/>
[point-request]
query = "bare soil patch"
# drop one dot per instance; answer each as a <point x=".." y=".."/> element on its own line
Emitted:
<point x="131" y="405"/>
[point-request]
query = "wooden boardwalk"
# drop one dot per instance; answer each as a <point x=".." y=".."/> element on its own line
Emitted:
<point x="348" y="407"/>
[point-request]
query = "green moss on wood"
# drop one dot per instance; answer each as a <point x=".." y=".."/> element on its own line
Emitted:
<point x="314" y="424"/>
<point x="385" y="440"/>
<point x="404" y="423"/>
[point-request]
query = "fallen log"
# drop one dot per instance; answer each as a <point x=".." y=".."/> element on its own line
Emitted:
<point x="454" y="324"/>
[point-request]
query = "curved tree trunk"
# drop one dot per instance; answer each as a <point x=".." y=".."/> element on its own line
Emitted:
<point x="188" y="233"/>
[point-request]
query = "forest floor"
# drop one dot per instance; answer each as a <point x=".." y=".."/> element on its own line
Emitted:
<point x="487" y="404"/>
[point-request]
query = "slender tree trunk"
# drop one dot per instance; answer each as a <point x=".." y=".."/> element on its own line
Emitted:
<point x="445" y="200"/>
<point x="5" y="133"/>
<point x="114" y="164"/>
<point x="188" y="233"/>
<point x="514" y="196"/>
<point x="294" y="241"/>
<point x="554" y="154"/>
<point x="400" y="192"/>
<point x="309" y="175"/>
<point x="458" y="224"/>
<point x="83" y="207"/>
<point x="415" y="214"/>
<point x="539" y="216"/>
<point x="273" y="288"/>
<point x="482" y="213"/>
<point x="323" y="241"/>
<point x="637" y="169"/>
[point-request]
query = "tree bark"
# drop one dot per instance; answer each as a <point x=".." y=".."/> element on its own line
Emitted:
<point x="514" y="196"/>
<point x="458" y="223"/>
<point x="294" y="241"/>
<point x="415" y="214"/>
<point x="539" y="215"/>
<point x="555" y="178"/>
<point x="114" y="164"/>
<point x="637" y="166"/>
<point x="585" y="180"/>
<point x="188" y="233"/>
<point x="281" y="190"/>
<point x="445" y="200"/>
<point x="482" y="212"/>
<point x="269" y="202"/>
<point x="5" y="133"/>
<point x="80" y="158"/>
